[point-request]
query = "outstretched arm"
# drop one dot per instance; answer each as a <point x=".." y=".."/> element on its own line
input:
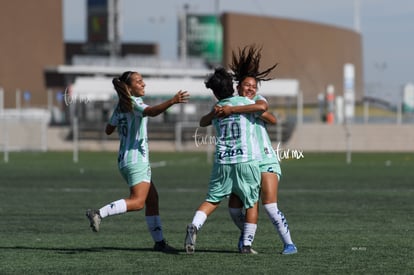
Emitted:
<point x="180" y="97"/>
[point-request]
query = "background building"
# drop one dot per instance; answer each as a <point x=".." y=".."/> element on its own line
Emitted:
<point x="31" y="39"/>
<point x="312" y="53"/>
<point x="38" y="69"/>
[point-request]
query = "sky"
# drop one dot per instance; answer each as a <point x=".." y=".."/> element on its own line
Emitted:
<point x="387" y="29"/>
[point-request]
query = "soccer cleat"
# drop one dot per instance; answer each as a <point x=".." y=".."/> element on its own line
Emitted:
<point x="190" y="239"/>
<point x="94" y="218"/>
<point x="248" y="250"/>
<point x="163" y="246"/>
<point x="240" y="245"/>
<point x="289" y="249"/>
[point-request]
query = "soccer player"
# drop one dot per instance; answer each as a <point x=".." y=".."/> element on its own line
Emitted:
<point x="246" y="72"/>
<point x="130" y="118"/>
<point x="235" y="167"/>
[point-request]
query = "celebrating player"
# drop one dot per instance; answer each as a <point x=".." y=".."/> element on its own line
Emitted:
<point x="245" y="67"/>
<point x="235" y="168"/>
<point x="130" y="119"/>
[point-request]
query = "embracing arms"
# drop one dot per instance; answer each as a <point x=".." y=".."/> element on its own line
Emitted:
<point x="259" y="106"/>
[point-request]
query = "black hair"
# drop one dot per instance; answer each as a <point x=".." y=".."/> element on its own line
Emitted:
<point x="246" y="64"/>
<point x="221" y="83"/>
<point x="126" y="77"/>
<point x="121" y="87"/>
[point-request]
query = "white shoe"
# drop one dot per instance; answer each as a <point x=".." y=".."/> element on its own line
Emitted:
<point x="190" y="239"/>
<point x="248" y="250"/>
<point x="94" y="219"/>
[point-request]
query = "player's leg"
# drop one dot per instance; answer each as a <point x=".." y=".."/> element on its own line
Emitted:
<point x="204" y="210"/>
<point x="152" y="214"/>
<point x="138" y="180"/>
<point x="219" y="187"/>
<point x="200" y="217"/>
<point x="237" y="216"/>
<point x="269" y="192"/>
<point x="236" y="211"/>
<point x="249" y="230"/>
<point x="153" y="220"/>
<point x="134" y="202"/>
<point x="246" y="186"/>
<point x="137" y="197"/>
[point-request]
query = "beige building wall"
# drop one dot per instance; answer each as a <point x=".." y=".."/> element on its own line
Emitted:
<point x="312" y="53"/>
<point x="31" y="38"/>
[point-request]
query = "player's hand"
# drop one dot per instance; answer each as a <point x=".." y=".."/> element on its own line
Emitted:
<point x="223" y="111"/>
<point x="181" y="97"/>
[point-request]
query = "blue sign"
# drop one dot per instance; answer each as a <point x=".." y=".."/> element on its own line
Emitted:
<point x="27" y="96"/>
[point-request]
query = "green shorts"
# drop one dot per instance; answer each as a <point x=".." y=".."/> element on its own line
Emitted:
<point x="242" y="179"/>
<point x="134" y="174"/>
<point x="271" y="167"/>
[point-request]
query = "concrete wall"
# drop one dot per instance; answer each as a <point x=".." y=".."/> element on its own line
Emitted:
<point x="307" y="138"/>
<point x="364" y="138"/>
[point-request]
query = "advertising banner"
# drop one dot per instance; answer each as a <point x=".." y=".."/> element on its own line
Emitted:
<point x="204" y="37"/>
<point x="349" y="92"/>
<point x="97" y="21"/>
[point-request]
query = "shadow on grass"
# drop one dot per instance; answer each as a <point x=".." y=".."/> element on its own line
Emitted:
<point x="110" y="248"/>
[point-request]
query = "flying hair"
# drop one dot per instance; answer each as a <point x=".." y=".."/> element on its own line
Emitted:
<point x="246" y="63"/>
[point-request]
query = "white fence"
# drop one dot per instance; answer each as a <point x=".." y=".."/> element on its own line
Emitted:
<point x="23" y="130"/>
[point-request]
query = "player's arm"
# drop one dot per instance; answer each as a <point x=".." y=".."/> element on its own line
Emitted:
<point x="180" y="97"/>
<point x="258" y="106"/>
<point x="109" y="129"/>
<point x="207" y="119"/>
<point x="268" y="118"/>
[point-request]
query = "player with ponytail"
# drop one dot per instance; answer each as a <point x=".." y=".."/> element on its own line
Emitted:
<point x="130" y="118"/>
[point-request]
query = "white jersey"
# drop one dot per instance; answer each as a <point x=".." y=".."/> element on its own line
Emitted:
<point x="132" y="131"/>
<point x="236" y="140"/>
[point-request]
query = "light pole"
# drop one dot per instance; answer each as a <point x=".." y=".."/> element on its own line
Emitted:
<point x="183" y="35"/>
<point x="357" y="16"/>
<point x="114" y="32"/>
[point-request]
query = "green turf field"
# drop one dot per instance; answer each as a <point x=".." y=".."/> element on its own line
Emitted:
<point x="344" y="219"/>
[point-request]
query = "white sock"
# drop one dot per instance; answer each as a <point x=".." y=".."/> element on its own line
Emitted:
<point x="114" y="208"/>
<point x="279" y="222"/>
<point x="199" y="219"/>
<point x="238" y="217"/>
<point x="155" y="227"/>
<point x="249" y="232"/>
